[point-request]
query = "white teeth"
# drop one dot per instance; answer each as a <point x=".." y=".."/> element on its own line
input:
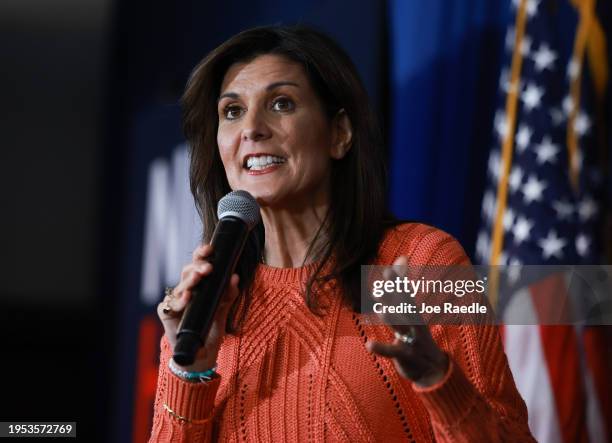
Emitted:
<point x="263" y="161"/>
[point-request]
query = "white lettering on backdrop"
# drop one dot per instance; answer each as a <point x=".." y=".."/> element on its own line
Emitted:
<point x="172" y="225"/>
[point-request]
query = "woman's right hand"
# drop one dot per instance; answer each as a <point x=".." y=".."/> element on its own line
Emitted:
<point x="180" y="297"/>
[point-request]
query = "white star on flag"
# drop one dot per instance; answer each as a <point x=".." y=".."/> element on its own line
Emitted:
<point x="505" y="84"/>
<point x="582" y="244"/>
<point x="587" y="208"/>
<point x="532" y="7"/>
<point x="582" y="124"/>
<point x="494" y="165"/>
<point x="501" y="125"/>
<point x="489" y="205"/>
<point x="482" y="245"/>
<point x="510" y="38"/>
<point x="523" y="137"/>
<point x="514" y="270"/>
<point x="532" y="96"/>
<point x="556" y="116"/>
<point x="573" y="69"/>
<point x="568" y="105"/>
<point x="504" y="80"/>
<point x="552" y="245"/>
<point x="564" y="209"/>
<point x="546" y="151"/>
<point x="526" y="46"/>
<point x="508" y="219"/>
<point x="521" y="229"/>
<point x="515" y="179"/>
<point x="532" y="190"/>
<point x="544" y="58"/>
<point x="502" y="260"/>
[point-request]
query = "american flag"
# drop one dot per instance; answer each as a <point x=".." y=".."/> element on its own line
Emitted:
<point x="543" y="203"/>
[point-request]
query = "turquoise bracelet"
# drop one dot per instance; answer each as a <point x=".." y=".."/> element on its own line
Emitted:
<point x="192" y="376"/>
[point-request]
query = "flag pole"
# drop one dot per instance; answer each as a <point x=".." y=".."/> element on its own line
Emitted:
<point x="508" y="142"/>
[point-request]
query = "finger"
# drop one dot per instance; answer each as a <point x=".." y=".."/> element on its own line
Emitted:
<point x="177" y="305"/>
<point x="202" y="252"/>
<point x="165" y="311"/>
<point x="187" y="269"/>
<point x="399" y="266"/>
<point x="202" y="267"/>
<point x="385" y="349"/>
<point x="183" y="300"/>
<point x="191" y="275"/>
<point x="396" y="269"/>
<point x="185" y="289"/>
<point x="389" y="274"/>
<point x="401" y="261"/>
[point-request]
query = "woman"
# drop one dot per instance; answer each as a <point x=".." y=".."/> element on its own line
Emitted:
<point x="281" y="113"/>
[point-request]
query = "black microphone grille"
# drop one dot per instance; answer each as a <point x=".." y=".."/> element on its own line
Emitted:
<point x="240" y="204"/>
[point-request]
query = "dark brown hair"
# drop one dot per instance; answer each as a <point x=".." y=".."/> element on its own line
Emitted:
<point x="354" y="225"/>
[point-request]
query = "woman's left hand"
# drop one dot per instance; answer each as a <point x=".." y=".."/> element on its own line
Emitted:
<point x="414" y="352"/>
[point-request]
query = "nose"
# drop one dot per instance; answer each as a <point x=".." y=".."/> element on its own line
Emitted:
<point x="255" y="127"/>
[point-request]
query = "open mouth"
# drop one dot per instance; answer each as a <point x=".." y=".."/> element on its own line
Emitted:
<point x="260" y="162"/>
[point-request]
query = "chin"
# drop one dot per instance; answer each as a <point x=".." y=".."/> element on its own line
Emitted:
<point x="267" y="197"/>
<point x="276" y="193"/>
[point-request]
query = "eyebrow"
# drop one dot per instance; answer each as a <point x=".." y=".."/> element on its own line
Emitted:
<point x="268" y="88"/>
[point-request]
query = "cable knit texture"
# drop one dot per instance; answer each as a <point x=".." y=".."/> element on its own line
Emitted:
<point x="291" y="375"/>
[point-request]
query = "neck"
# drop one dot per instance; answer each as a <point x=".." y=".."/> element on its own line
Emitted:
<point x="290" y="232"/>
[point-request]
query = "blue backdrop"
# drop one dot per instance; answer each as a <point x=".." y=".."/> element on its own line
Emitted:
<point x="445" y="60"/>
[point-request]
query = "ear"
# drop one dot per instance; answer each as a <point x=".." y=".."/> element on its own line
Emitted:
<point x="342" y="136"/>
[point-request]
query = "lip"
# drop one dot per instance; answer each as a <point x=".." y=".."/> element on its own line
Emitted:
<point x="267" y="170"/>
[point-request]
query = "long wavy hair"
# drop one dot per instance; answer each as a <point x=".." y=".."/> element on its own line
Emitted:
<point x="357" y="217"/>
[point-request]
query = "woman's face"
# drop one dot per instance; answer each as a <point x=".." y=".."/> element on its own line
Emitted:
<point x="274" y="138"/>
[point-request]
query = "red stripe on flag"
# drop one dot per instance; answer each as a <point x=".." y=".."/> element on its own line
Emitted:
<point x="597" y="353"/>
<point x="561" y="352"/>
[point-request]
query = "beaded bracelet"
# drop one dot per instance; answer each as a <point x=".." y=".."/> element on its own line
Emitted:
<point x="192" y="376"/>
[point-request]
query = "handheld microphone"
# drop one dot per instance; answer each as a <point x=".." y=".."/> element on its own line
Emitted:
<point x="238" y="214"/>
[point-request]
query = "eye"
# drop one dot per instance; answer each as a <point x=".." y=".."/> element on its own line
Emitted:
<point x="232" y="112"/>
<point x="283" y="104"/>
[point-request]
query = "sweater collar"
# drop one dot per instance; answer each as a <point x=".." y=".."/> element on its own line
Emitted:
<point x="284" y="275"/>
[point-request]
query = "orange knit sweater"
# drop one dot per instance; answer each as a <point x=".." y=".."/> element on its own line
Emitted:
<point x="293" y="376"/>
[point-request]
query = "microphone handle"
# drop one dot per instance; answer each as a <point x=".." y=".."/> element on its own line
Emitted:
<point x="228" y="241"/>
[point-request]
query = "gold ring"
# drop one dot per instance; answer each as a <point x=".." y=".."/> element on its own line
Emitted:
<point x="408" y="338"/>
<point x="166" y="309"/>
